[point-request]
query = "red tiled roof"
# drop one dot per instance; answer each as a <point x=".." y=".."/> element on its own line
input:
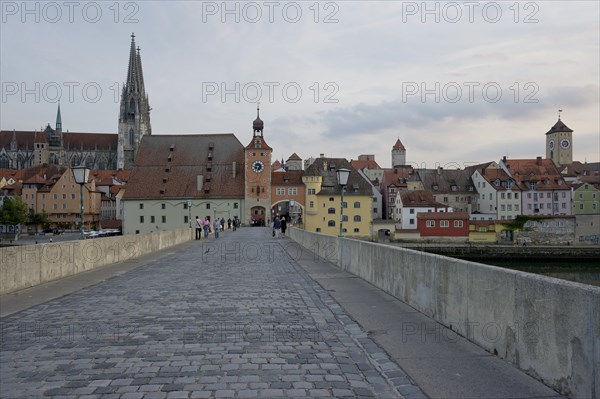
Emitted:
<point x="398" y="146"/>
<point x="442" y="215"/>
<point x="541" y="171"/>
<point x="365" y="163"/>
<point x="419" y="198"/>
<point x="294" y="178"/>
<point x="168" y="167"/>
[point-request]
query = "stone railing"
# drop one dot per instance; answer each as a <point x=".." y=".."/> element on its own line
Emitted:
<point x="548" y="328"/>
<point x="30" y="265"/>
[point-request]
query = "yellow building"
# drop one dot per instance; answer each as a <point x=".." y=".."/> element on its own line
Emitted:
<point x="323" y="199"/>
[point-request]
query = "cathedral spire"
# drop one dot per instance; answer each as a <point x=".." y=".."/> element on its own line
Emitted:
<point x="58" y="120"/>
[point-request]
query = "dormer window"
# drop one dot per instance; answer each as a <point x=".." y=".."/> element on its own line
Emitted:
<point x="256" y="143"/>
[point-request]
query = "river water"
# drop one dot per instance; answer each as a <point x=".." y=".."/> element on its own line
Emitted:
<point x="586" y="272"/>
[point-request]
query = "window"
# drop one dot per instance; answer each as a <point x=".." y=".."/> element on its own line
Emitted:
<point x="509" y="207"/>
<point x="344" y="205"/>
<point x="185" y="219"/>
<point x="55" y="196"/>
<point x="292" y="191"/>
<point x="374" y="210"/>
<point x="430" y="223"/>
<point x="345" y="218"/>
<point x="142" y="207"/>
<point x="517" y="208"/>
<point x="502" y="195"/>
<point x="151" y="219"/>
<point x="564" y="195"/>
<point x="64" y="196"/>
<point x="331" y="199"/>
<point x="444" y="223"/>
<point x="412" y="211"/>
<point x="185" y="205"/>
<point x="482" y="196"/>
<point x="164" y="219"/>
<point x="235" y="205"/>
<point x="529" y="195"/>
<point x="542" y="205"/>
<point x="141" y="219"/>
<point x="64" y="206"/>
<point x="509" y="195"/>
<point x="411" y="221"/>
<point x="312" y="191"/>
<point x="54" y="206"/>
<point x="331" y="223"/>
<point x="528" y="206"/>
<point x="318" y="230"/>
<point x="357" y="204"/>
<point x="357" y="218"/>
<point x="162" y="206"/>
<point x="331" y="210"/>
<point x="502" y="207"/>
<point x="280" y="191"/>
<point x="458" y="223"/>
<point x="516" y="195"/>
<point x="445" y="199"/>
<point x="356" y="230"/>
<point x="207" y="206"/>
<point x="311" y="204"/>
<point x="72" y="196"/>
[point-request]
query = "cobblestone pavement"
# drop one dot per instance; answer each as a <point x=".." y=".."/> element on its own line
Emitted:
<point x="233" y="317"/>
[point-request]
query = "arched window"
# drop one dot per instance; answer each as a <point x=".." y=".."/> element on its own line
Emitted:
<point x="89" y="162"/>
<point x="357" y="204"/>
<point x="357" y="218"/>
<point x="331" y="210"/>
<point x="53" y="159"/>
<point x="21" y="162"/>
<point x="131" y="137"/>
<point x="75" y="160"/>
<point x="4" y="162"/>
<point x="331" y="223"/>
<point x="345" y="218"/>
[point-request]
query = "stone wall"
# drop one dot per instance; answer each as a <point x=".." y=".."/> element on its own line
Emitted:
<point x="30" y="265"/>
<point x="548" y="328"/>
<point x="548" y="231"/>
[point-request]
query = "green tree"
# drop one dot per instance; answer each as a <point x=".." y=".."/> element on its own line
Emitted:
<point x="13" y="212"/>
<point x="39" y="218"/>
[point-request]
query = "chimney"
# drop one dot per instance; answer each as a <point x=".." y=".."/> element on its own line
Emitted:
<point x="504" y="159"/>
<point x="538" y="161"/>
<point x="321" y="155"/>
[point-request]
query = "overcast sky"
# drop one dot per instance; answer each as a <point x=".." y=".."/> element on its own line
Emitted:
<point x="457" y="82"/>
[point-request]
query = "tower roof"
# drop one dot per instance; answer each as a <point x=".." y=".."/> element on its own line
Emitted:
<point x="559" y="127"/>
<point x="258" y="125"/>
<point x="58" y="117"/>
<point x="398" y="146"/>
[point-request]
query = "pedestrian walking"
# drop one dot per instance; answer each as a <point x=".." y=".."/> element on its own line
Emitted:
<point x="199" y="227"/>
<point x="277" y="227"/>
<point x="283" y="226"/>
<point x="222" y="224"/>
<point x="217" y="227"/>
<point x="235" y="223"/>
<point x="206" y="226"/>
<point x="229" y="224"/>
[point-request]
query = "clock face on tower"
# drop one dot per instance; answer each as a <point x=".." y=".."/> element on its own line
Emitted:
<point x="564" y="143"/>
<point x="551" y="144"/>
<point x="258" y="166"/>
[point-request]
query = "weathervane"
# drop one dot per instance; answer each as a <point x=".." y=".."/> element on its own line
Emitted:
<point x="559" y="111"/>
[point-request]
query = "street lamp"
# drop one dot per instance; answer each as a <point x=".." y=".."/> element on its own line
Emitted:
<point x="342" y="177"/>
<point x="81" y="175"/>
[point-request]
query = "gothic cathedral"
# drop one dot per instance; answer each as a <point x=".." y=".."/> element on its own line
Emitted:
<point x="257" y="161"/>
<point x="134" y="115"/>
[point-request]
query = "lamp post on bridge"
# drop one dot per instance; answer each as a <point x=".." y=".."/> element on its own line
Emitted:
<point x="342" y="177"/>
<point x="81" y="175"/>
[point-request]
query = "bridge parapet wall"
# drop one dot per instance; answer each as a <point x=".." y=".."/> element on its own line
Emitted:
<point x="30" y="265"/>
<point x="547" y="327"/>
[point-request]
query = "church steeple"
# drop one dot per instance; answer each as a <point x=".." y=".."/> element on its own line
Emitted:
<point x="58" y="120"/>
<point x="134" y="117"/>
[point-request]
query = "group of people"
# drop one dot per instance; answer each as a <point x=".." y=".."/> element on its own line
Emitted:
<point x="218" y="225"/>
<point x="279" y="227"/>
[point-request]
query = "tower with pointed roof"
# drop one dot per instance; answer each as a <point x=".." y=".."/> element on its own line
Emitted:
<point x="398" y="154"/>
<point x="559" y="143"/>
<point x="257" y="160"/>
<point x="134" y="113"/>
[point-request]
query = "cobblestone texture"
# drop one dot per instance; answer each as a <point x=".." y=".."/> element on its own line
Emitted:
<point x="234" y="317"/>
